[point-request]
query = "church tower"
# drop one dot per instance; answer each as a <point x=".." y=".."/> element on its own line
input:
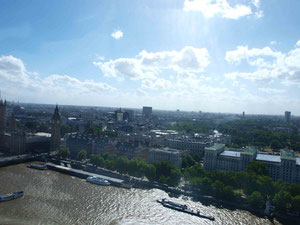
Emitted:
<point x="55" y="133"/>
<point x="2" y="117"/>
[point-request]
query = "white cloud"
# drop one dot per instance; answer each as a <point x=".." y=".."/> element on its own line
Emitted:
<point x="210" y="8"/>
<point x="157" y="84"/>
<point x="272" y="90"/>
<point x="117" y="34"/>
<point x="256" y="3"/>
<point x="268" y="64"/>
<point x="259" y="14"/>
<point x="273" y="42"/>
<point x="149" y="65"/>
<point x="16" y="79"/>
<point x="298" y="43"/>
<point x="242" y="52"/>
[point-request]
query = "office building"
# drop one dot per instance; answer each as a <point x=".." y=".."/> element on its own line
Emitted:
<point x="284" y="166"/>
<point x="287" y="116"/>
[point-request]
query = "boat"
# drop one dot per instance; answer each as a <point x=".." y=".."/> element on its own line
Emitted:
<point x="98" y="180"/>
<point x="38" y="166"/>
<point x="183" y="208"/>
<point x="11" y="196"/>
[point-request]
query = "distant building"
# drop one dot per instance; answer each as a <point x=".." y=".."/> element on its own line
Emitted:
<point x="128" y="115"/>
<point x="165" y="154"/>
<point x="55" y="132"/>
<point x="287" y="116"/>
<point x="284" y="166"/>
<point x="119" y="114"/>
<point x="147" y="111"/>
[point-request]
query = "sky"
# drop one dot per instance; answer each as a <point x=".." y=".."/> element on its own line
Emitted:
<point x="193" y="55"/>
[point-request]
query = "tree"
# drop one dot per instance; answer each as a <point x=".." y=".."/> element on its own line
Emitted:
<point x="194" y="171"/>
<point x="150" y="172"/>
<point x="296" y="203"/>
<point x="282" y="200"/>
<point x="265" y="186"/>
<point x="63" y="152"/>
<point x="275" y="144"/>
<point x="256" y="199"/>
<point x="167" y="173"/>
<point x="218" y="188"/>
<point x="97" y="160"/>
<point x="187" y="161"/>
<point x="258" y="168"/>
<point x="81" y="155"/>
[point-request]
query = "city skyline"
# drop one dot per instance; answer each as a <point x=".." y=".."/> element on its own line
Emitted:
<point x="223" y="56"/>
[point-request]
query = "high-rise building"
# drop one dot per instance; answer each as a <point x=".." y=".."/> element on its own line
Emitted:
<point x="287" y="115"/>
<point x="2" y="117"/>
<point x="55" y="132"/>
<point x="147" y="111"/>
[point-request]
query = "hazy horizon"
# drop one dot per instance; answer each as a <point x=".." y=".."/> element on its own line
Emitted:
<point x="202" y="55"/>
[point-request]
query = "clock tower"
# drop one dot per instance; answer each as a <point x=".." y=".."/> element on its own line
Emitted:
<point x="55" y="132"/>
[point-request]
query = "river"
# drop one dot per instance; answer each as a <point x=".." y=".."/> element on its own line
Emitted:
<point x="54" y="198"/>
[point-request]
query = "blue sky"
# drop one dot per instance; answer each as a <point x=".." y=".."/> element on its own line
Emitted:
<point x="208" y="55"/>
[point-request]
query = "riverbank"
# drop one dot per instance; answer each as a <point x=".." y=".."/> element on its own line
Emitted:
<point x="129" y="182"/>
<point x="56" y="198"/>
<point x="236" y="204"/>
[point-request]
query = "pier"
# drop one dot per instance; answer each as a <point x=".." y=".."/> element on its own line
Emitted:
<point x="83" y="174"/>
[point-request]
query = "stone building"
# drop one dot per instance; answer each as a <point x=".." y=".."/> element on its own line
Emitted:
<point x="2" y="116"/>
<point x="165" y="154"/>
<point x="192" y="146"/>
<point x="284" y="166"/>
<point x="55" y="132"/>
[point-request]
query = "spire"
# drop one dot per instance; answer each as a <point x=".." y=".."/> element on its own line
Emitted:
<point x="56" y="115"/>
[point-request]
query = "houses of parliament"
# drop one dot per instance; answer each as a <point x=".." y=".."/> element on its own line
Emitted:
<point x="15" y="140"/>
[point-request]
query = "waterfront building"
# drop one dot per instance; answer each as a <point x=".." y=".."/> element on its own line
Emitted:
<point x="55" y="132"/>
<point x="287" y="116"/>
<point x="284" y="166"/>
<point x="165" y="154"/>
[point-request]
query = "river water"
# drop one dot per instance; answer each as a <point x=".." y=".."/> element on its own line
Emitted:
<point x="54" y="198"/>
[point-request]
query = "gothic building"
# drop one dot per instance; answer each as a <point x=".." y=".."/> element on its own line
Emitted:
<point x="55" y="132"/>
<point x="16" y="141"/>
<point x="2" y="116"/>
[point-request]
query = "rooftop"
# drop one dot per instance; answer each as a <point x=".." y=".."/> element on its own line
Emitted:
<point x="287" y="154"/>
<point x="249" y="150"/>
<point x="166" y="150"/>
<point x="231" y="154"/>
<point x="268" y="158"/>
<point x="215" y="147"/>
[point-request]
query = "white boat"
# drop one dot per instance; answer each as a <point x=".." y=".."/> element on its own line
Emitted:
<point x="98" y="180"/>
<point x="38" y="166"/>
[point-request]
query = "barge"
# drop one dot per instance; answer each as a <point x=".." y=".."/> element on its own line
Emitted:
<point x="183" y="208"/>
